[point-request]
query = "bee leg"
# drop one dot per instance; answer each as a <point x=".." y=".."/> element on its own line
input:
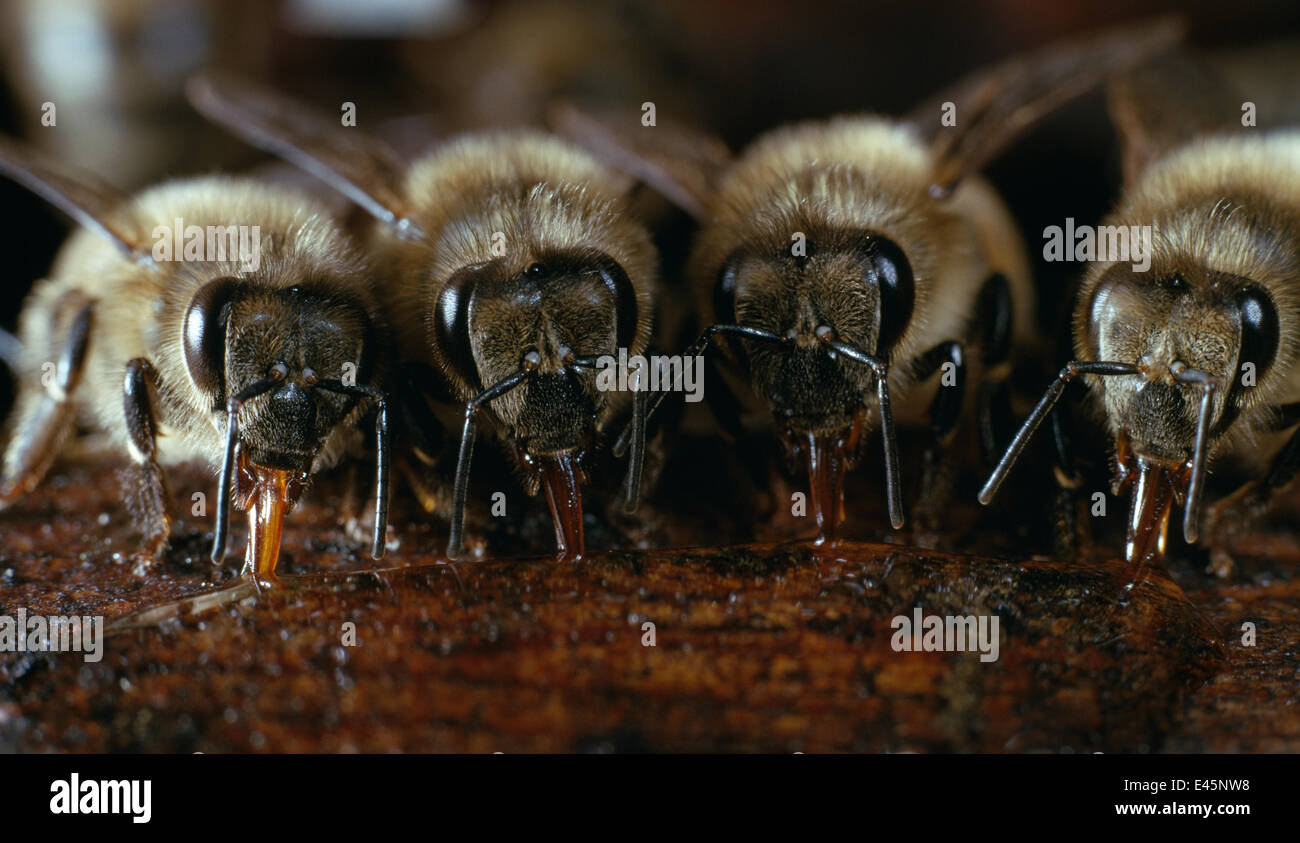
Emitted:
<point x="46" y="415"/>
<point x="996" y="424"/>
<point x="434" y="495"/>
<point x="638" y="527"/>
<point x="357" y="504"/>
<point x="1070" y="536"/>
<point x="937" y="480"/>
<point x="1232" y="516"/>
<point x="151" y="500"/>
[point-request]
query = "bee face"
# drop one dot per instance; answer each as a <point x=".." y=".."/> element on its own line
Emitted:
<point x="539" y="327"/>
<point x="850" y="286"/>
<point x="1166" y="323"/>
<point x="561" y="307"/>
<point x="294" y="336"/>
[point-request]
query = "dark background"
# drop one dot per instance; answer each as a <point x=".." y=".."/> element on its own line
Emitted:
<point x="115" y="70"/>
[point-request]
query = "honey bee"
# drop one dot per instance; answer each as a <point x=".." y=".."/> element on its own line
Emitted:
<point x="1193" y="362"/>
<point x="851" y="257"/>
<point x="250" y="341"/>
<point x="510" y="267"/>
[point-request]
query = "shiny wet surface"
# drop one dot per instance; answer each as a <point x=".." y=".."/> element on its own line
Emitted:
<point x="773" y="646"/>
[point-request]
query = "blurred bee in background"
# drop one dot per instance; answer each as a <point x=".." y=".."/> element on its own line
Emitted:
<point x="1192" y="363"/>
<point x="861" y="254"/>
<point x="510" y="267"/>
<point x="262" y="362"/>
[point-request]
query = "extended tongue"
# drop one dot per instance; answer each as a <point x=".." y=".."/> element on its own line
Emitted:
<point x="266" y="507"/>
<point x="826" y="466"/>
<point x="1153" y="497"/>
<point x="563" y="494"/>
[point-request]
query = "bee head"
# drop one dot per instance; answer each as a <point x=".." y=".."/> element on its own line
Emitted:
<point x="1169" y="324"/>
<point x="853" y="287"/>
<point x="560" y="308"/>
<point x="523" y="341"/>
<point x="281" y="343"/>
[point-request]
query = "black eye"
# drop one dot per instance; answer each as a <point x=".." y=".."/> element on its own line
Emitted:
<point x="889" y="270"/>
<point x="1117" y="294"/>
<point x="724" y="292"/>
<point x="535" y="270"/>
<point x="204" y="336"/>
<point x="1260" y="333"/>
<point x="451" y="321"/>
<point x="625" y="305"/>
<point x="1173" y="284"/>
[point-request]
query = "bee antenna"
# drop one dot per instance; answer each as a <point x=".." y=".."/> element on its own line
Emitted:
<point x="1053" y="394"/>
<point x="636" y="457"/>
<point x="381" y="455"/>
<point x="634" y="434"/>
<point x="461" y="488"/>
<point x="1196" y="486"/>
<point x="893" y="484"/>
<point x="233" y="406"/>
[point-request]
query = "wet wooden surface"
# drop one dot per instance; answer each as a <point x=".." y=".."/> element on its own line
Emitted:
<point x="775" y="646"/>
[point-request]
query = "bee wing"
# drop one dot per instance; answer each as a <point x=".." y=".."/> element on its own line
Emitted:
<point x="681" y="163"/>
<point x="89" y="200"/>
<point x="996" y="106"/>
<point x="1165" y="103"/>
<point x="360" y="167"/>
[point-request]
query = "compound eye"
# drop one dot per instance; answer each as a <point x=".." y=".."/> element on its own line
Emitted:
<point x="1117" y="300"/>
<point x="451" y="321"/>
<point x="1260" y="333"/>
<point x="724" y="291"/>
<point x="889" y="271"/>
<point x="203" y="336"/>
<point x="626" y="310"/>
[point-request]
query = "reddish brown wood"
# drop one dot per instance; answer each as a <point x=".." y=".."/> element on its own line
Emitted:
<point x="776" y="647"/>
